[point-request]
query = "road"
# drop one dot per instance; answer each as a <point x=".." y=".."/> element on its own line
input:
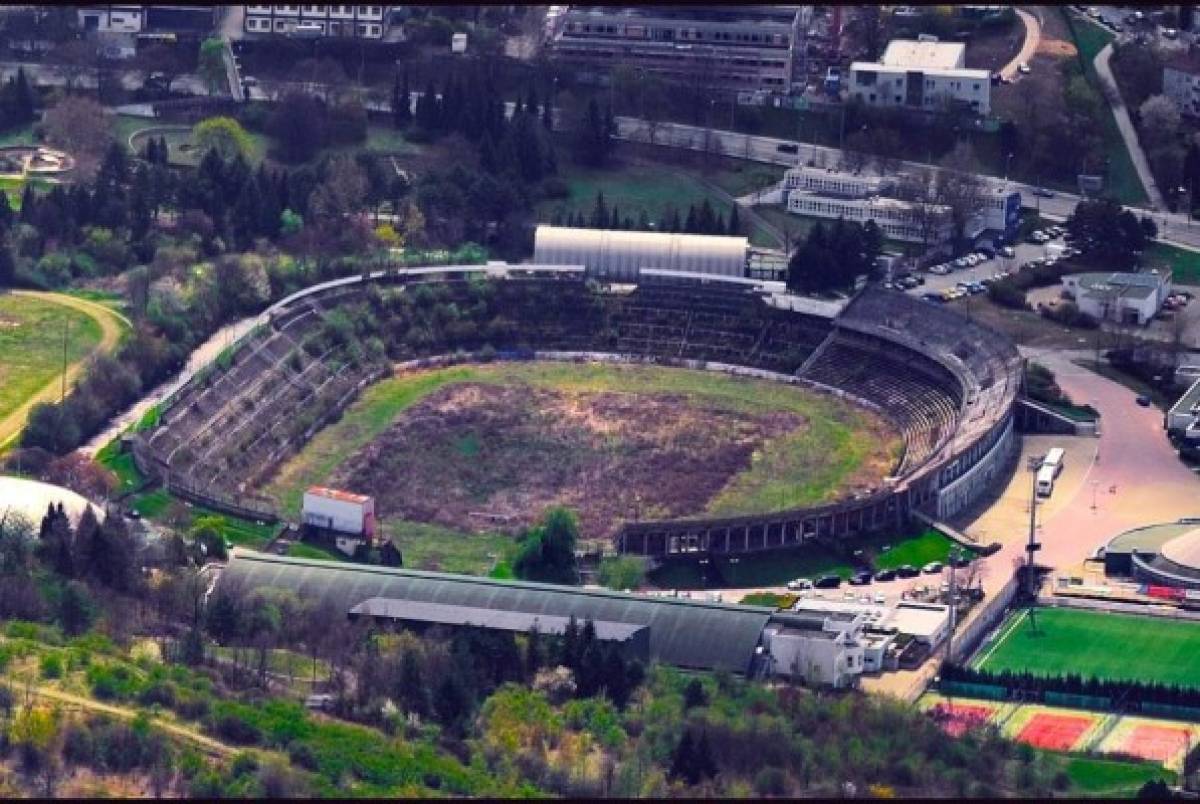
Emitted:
<point x="1033" y="37"/>
<point x="1125" y="124"/>
<point x="112" y="326"/>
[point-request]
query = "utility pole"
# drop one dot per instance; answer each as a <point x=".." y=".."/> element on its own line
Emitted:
<point x="1035" y="463"/>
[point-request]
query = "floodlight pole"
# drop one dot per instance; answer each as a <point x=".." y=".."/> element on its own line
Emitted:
<point x="1035" y="462"/>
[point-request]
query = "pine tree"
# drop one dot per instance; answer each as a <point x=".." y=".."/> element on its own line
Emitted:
<point x="28" y="204"/>
<point x="600" y="217"/>
<point x="706" y="221"/>
<point x="24" y="104"/>
<point x="8" y="268"/>
<point x="614" y="220"/>
<point x="643" y="222"/>
<point x="735" y="221"/>
<point x="6" y="212"/>
<point x="691" y="225"/>
<point x="548" y="115"/>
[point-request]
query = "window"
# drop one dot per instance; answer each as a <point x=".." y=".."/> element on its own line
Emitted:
<point x="374" y="30"/>
<point x="362" y="29"/>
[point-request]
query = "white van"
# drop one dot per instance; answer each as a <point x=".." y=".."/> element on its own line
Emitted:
<point x="1054" y="460"/>
<point x="1045" y="481"/>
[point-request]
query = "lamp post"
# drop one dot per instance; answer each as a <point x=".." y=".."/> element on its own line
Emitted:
<point x="1095" y="486"/>
<point x="1007" y="160"/>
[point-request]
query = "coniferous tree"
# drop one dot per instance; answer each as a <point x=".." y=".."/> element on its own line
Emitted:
<point x="735" y="222"/>
<point x="692" y="224"/>
<point x="599" y="212"/>
<point x="6" y="212"/>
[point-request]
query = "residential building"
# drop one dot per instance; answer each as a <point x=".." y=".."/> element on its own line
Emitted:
<point x="724" y="47"/>
<point x="136" y="19"/>
<point x="362" y="22"/>
<point x="1181" y="82"/>
<point x="1126" y="298"/>
<point x="925" y="76"/>
<point x="828" y="181"/>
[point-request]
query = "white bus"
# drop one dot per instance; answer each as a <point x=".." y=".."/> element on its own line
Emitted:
<point x="1045" y="481"/>
<point x="1054" y="460"/>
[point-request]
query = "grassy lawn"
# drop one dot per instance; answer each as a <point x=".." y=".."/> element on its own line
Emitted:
<point x="805" y="467"/>
<point x="31" y="345"/>
<point x="633" y="189"/>
<point x="1113" y="778"/>
<point x="1098" y="644"/>
<point x="777" y="567"/>
<point x="433" y="547"/>
<point x="916" y="551"/>
<point x="160" y="505"/>
<point x="1184" y="263"/>
<point x="1123" y="182"/>
<point x="314" y="551"/>
<point x="1134" y="384"/>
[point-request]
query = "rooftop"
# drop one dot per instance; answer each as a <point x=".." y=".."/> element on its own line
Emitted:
<point x="922" y="620"/>
<point x="338" y="494"/>
<point x="1149" y="539"/>
<point x="930" y="55"/>
<point x="702" y="636"/>
<point x="779" y="15"/>
<point x="517" y="621"/>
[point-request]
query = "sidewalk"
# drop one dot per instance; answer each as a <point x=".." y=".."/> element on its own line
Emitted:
<point x="1128" y="133"/>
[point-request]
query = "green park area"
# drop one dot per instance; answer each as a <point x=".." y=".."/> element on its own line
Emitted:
<point x="32" y="334"/>
<point x="1095" y="644"/>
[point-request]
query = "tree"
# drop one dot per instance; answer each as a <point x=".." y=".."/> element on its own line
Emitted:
<point x="343" y="191"/>
<point x="75" y="609"/>
<point x="80" y="126"/>
<point x="298" y="126"/>
<point x="211" y="66"/>
<point x="75" y="58"/>
<point x="8" y="267"/>
<point x="547" y="551"/>
<point x="694" y="695"/>
<point x="158" y="59"/>
<point x="593" y="136"/>
<point x="622" y="572"/>
<point x="223" y="135"/>
<point x="1160" y="121"/>
<point x="959" y="188"/>
<point x="401" y="100"/>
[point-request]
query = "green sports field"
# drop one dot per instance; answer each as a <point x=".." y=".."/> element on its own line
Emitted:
<point x="1097" y="644"/>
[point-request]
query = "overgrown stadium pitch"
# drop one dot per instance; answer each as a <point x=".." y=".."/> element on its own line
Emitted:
<point x="1097" y="644"/>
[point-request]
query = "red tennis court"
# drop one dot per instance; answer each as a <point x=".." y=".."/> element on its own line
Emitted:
<point x="1157" y="743"/>
<point x="1054" y="732"/>
<point x="957" y="719"/>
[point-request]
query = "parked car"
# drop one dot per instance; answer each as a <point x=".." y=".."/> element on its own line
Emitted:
<point x="1024" y="69"/>
<point x="799" y="585"/>
<point x="788" y="148"/>
<point x="828" y="582"/>
<point x="932" y="568"/>
<point x="861" y="579"/>
<point x="1043" y="192"/>
<point x="885" y="575"/>
<point x="1144" y="401"/>
<point x="907" y="571"/>
<point x="880" y="598"/>
<point x="932" y="297"/>
<point x="1008" y="251"/>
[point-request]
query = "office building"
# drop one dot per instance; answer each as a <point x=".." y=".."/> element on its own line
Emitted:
<point x="925" y="76"/>
<point x="725" y="47"/>
<point x="1126" y="298"/>
<point x="362" y="22"/>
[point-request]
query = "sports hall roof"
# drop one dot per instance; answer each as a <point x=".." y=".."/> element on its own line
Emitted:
<point x="620" y="254"/>
<point x="702" y="636"/>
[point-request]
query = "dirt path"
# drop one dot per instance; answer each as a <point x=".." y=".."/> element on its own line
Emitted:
<point x="1033" y="36"/>
<point x="206" y="743"/>
<point x="112" y="325"/>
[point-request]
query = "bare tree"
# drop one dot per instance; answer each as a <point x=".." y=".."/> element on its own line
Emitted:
<point x="959" y="188"/>
<point x="82" y="127"/>
<point x="918" y="188"/>
<point x="75" y="59"/>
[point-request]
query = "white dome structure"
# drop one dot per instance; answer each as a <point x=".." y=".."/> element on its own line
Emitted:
<point x="31" y="498"/>
<point x="621" y="255"/>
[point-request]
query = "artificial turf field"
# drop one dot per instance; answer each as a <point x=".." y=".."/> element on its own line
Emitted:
<point x="1097" y="644"/>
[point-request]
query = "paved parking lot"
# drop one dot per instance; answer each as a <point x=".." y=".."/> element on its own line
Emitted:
<point x="1024" y="252"/>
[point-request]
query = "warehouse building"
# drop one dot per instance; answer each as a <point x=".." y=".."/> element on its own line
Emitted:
<point x="617" y="255"/>
<point x="682" y="633"/>
<point x="925" y="76"/>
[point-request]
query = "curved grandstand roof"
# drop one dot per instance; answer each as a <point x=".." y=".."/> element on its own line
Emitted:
<point x="704" y="636"/>
<point x="1148" y="539"/>
<point x="621" y="254"/>
<point x="1184" y="550"/>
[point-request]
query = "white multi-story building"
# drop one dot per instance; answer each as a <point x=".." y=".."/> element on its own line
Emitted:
<point x="362" y="22"/>
<point x="928" y="76"/>
<point x="899" y="220"/>
<point x="820" y="650"/>
<point x="828" y="181"/>
<point x="135" y="19"/>
<point x="1181" y="83"/>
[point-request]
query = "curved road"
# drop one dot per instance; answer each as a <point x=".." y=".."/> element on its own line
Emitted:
<point x="1033" y="38"/>
<point x="112" y="326"/>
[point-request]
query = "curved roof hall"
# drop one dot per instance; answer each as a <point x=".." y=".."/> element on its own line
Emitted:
<point x="619" y="254"/>
<point x="683" y="633"/>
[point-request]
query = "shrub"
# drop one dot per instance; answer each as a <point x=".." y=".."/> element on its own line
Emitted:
<point x="770" y="782"/>
<point x="236" y="730"/>
<point x="51" y="666"/>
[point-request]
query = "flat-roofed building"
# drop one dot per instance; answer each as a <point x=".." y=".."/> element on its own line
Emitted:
<point x="820" y="649"/>
<point x="726" y="47"/>
<point x="1127" y="298"/>
<point x="927" y="76"/>
<point x="899" y="220"/>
